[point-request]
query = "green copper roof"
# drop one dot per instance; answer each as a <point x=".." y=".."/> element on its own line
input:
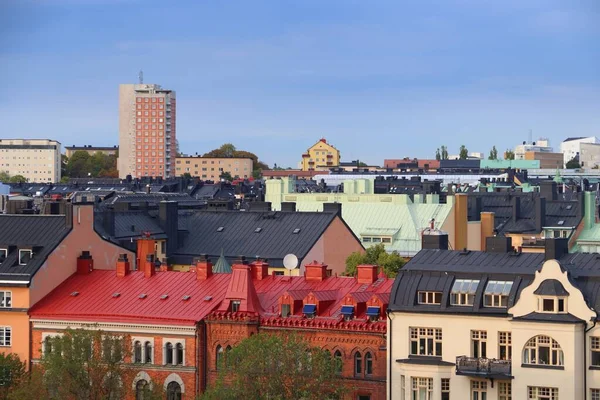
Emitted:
<point x="222" y="266"/>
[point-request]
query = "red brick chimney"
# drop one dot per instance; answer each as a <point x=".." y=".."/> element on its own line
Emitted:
<point x="260" y="269"/>
<point x="367" y="274"/>
<point x="85" y="263"/>
<point x="316" y="271"/>
<point x="149" y="268"/>
<point x="203" y="268"/>
<point x="122" y="266"/>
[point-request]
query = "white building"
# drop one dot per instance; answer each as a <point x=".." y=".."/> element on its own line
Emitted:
<point x="38" y="160"/>
<point x="474" y="155"/>
<point x="495" y="325"/>
<point x="571" y="147"/>
<point x="542" y="145"/>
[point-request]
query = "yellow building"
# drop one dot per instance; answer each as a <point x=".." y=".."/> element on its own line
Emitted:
<point x="320" y="157"/>
<point x="211" y="168"/>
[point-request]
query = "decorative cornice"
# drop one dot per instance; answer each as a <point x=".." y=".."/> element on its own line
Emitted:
<point x="325" y="324"/>
<point x="231" y="317"/>
<point x="115" y="327"/>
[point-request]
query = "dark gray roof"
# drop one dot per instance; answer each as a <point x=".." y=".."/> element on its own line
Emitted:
<point x="551" y="287"/>
<point x="183" y="199"/>
<point x="239" y="235"/>
<point x="425" y="360"/>
<point x="129" y="224"/>
<point x="547" y="317"/>
<point x="573" y="138"/>
<point x="41" y="233"/>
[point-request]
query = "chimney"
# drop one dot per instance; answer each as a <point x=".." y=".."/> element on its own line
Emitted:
<point x="260" y="206"/>
<point x="549" y="190"/>
<point x="85" y="263"/>
<point x="260" y="269"/>
<point x="540" y="214"/>
<point x="580" y="204"/>
<point x="168" y="221"/>
<point x="149" y="268"/>
<point x="434" y="240"/>
<point x="516" y="208"/>
<point x="460" y="221"/>
<point x="478" y="206"/>
<point x="69" y="215"/>
<point x="367" y="274"/>
<point x="488" y="222"/>
<point x="315" y="271"/>
<point x="288" y="206"/>
<point x="335" y="208"/>
<point x="498" y="244"/>
<point x="556" y="248"/>
<point x="122" y="266"/>
<point x="203" y="268"/>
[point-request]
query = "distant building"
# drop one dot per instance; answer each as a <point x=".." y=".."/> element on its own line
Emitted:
<point x="589" y="155"/>
<point x="147" y="134"/>
<point x="91" y="150"/>
<point x="211" y="168"/>
<point x="407" y="163"/>
<point x="471" y="156"/>
<point x="571" y="147"/>
<point x="320" y="157"/>
<point x="542" y="145"/>
<point x="546" y="159"/>
<point x="38" y="160"/>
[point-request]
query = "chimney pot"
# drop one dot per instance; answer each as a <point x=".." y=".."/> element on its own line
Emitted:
<point x="203" y="268"/>
<point x="85" y="263"/>
<point x="366" y="274"/>
<point x="122" y="266"/>
<point x="315" y="271"/>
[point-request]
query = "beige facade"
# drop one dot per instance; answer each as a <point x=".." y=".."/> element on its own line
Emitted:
<point x="147" y="131"/>
<point x="38" y="160"/>
<point x="211" y="168"/>
<point x="320" y="156"/>
<point x="547" y="160"/>
<point x="91" y="150"/>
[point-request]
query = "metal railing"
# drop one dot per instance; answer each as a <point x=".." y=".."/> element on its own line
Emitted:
<point x="482" y="366"/>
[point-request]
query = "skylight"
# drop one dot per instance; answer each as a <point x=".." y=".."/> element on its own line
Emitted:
<point x="74" y="293"/>
<point x="208" y="298"/>
<point x="185" y="297"/>
<point x="296" y="231"/>
<point x="143" y="296"/>
<point x="116" y="294"/>
<point x="220" y="229"/>
<point x="164" y="297"/>
<point x="257" y="230"/>
<point x="561" y="222"/>
<point x="570" y="206"/>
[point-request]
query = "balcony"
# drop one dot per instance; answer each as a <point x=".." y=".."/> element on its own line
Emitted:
<point x="483" y="367"/>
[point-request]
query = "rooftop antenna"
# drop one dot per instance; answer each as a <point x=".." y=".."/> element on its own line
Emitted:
<point x="141" y="76"/>
<point x="530" y="136"/>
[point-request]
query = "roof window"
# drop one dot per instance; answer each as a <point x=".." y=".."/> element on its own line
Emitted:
<point x="347" y="312"/>
<point x="561" y="222"/>
<point x="116" y="294"/>
<point x="463" y="292"/>
<point x="257" y="230"/>
<point x="164" y="297"/>
<point x="296" y="231"/>
<point x="208" y="298"/>
<point x="309" y="310"/>
<point x="496" y="293"/>
<point x="373" y="313"/>
<point x="569" y="207"/>
<point x="220" y="229"/>
<point x="185" y="297"/>
<point x="25" y="256"/>
<point x="74" y="294"/>
<point x="143" y="296"/>
<point x="425" y="297"/>
<point x="3" y="255"/>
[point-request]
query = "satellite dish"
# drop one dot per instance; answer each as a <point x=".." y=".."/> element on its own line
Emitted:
<point x="290" y="262"/>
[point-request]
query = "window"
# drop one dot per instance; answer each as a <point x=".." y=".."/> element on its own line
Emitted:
<point x="426" y="342"/>
<point x="235" y="305"/>
<point x="542" y="350"/>
<point x="552" y="305"/>
<point x="445" y="389"/>
<point x="496" y="293"/>
<point x="504" y="345"/>
<point x="347" y="312"/>
<point x="402" y="387"/>
<point x="5" y="336"/>
<point x="3" y="254"/>
<point x="595" y="394"/>
<point x="337" y="357"/>
<point x="357" y="364"/>
<point x="285" y="310"/>
<point x="463" y="292"/>
<point x="137" y="352"/>
<point x="148" y="352"/>
<point x="595" y="346"/>
<point x="169" y="353"/>
<point x="542" y="393"/>
<point x="422" y="388"/>
<point x="141" y="389"/>
<point x="505" y="391"/>
<point x="5" y="299"/>
<point x="478" y="390"/>
<point x="479" y="344"/>
<point x="430" y="297"/>
<point x="179" y="354"/>
<point x="25" y="256"/>
<point x="173" y="391"/>
<point x="368" y="364"/>
<point x="219" y="357"/>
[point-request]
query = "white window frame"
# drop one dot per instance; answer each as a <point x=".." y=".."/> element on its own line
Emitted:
<point x="3" y="335"/>
<point x="174" y="342"/>
<point x="505" y="341"/>
<point x="432" y="337"/>
<point x="6" y="294"/>
<point x="478" y="389"/>
<point x="429" y="297"/>
<point x="47" y="335"/>
<point x="419" y="384"/>
<point x="532" y="347"/>
<point x="505" y="390"/>
<point x="25" y="250"/>
<point x="556" y="300"/>
<point x="497" y="299"/>
<point x="542" y="393"/>
<point x="479" y="341"/>
<point x="5" y="251"/>
<point x="464" y="297"/>
<point x="142" y="340"/>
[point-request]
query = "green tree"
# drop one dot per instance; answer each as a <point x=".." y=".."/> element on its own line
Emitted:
<point x="463" y="153"/>
<point x="100" y="165"/>
<point x="509" y="155"/>
<point x="177" y="151"/>
<point x="493" y="154"/>
<point x="186" y="175"/>
<point x="391" y="263"/>
<point x="438" y="155"/>
<point x="4" y="177"/>
<point x="573" y="163"/>
<point x="12" y="373"/>
<point x="268" y="366"/>
<point x="444" y="153"/>
<point x="229" y="150"/>
<point x="64" y="161"/>
<point x="17" y="179"/>
<point x="226" y="175"/>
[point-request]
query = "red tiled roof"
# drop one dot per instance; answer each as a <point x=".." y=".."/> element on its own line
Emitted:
<point x="241" y="288"/>
<point x="361" y="297"/>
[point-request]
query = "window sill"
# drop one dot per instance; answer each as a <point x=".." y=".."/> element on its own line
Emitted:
<point x="542" y="366"/>
<point x="595" y="367"/>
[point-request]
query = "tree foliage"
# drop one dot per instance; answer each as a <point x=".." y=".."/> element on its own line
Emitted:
<point x="375" y="255"/>
<point x="493" y="154"/>
<point x="509" y="155"/>
<point x="228" y="150"/>
<point x="463" y="153"/>
<point x="226" y="176"/>
<point x="4" y="177"/>
<point x="444" y="152"/>
<point x="17" y="179"/>
<point x="81" y="165"/>
<point x="573" y="163"/>
<point x="438" y="155"/>
<point x="12" y="373"/>
<point x="266" y="366"/>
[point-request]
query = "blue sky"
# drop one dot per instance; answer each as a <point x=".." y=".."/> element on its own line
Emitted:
<point x="378" y="79"/>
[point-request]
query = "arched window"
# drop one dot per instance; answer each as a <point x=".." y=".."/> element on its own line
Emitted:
<point x="173" y="391"/>
<point x="137" y="352"/>
<point x="169" y="353"/>
<point x="357" y="364"/>
<point x="368" y="364"/>
<point x="47" y="345"/>
<point x="543" y="350"/>
<point x="141" y="388"/>
<point x="219" y="357"/>
<point x="179" y="353"/>
<point x="148" y="352"/>
<point x="227" y="351"/>
<point x="337" y="358"/>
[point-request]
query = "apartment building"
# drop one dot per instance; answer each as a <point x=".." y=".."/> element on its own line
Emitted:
<point x="574" y="147"/>
<point x="38" y="160"/>
<point x="211" y="168"/>
<point x="494" y="325"/>
<point x="91" y="150"/>
<point x="147" y="131"/>
<point x="320" y="156"/>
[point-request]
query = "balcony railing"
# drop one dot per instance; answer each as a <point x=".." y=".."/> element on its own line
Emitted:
<point x="483" y="367"/>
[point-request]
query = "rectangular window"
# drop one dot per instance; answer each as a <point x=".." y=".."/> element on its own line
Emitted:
<point x="285" y="310"/>
<point x="430" y="297"/>
<point x="505" y="391"/>
<point x="5" y="336"/>
<point x="478" y="390"/>
<point x="595" y="394"/>
<point x="235" y="305"/>
<point x="445" y="389"/>
<point x="496" y="293"/>
<point x="504" y="345"/>
<point x="463" y="292"/>
<point x="542" y="393"/>
<point x="595" y="346"/>
<point x="426" y="342"/>
<point x="5" y="299"/>
<point x="422" y="388"/>
<point x="548" y="305"/>
<point x="3" y="254"/>
<point x="25" y="256"/>
<point x="402" y="387"/>
<point x="479" y="344"/>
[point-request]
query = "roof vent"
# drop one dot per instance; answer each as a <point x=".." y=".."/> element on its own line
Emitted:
<point x="185" y="297"/>
<point x="569" y="207"/>
<point x="220" y="229"/>
<point x="296" y="231"/>
<point x="164" y="297"/>
<point x="208" y="298"/>
<point x="561" y="222"/>
<point x="74" y="294"/>
<point x="143" y="296"/>
<point x="257" y="230"/>
<point x="116" y="294"/>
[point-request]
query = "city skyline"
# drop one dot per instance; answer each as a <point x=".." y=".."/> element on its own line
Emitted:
<point x="274" y="75"/>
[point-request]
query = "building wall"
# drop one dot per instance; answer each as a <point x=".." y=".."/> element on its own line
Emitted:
<point x="321" y="156"/>
<point x="38" y="160"/>
<point x="571" y="148"/>
<point x="589" y="155"/>
<point x="17" y="319"/>
<point x="547" y="160"/>
<point x="209" y="168"/>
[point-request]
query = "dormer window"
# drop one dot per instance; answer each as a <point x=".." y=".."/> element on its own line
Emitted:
<point x="348" y="312"/>
<point x="373" y="313"/>
<point x="552" y="305"/>
<point x="3" y="255"/>
<point x="496" y="294"/>
<point x="25" y="256"/>
<point x="285" y="310"/>
<point x="463" y="292"/>
<point x="309" y="310"/>
<point x="552" y="297"/>
<point x="426" y="297"/>
<point x="235" y="305"/>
